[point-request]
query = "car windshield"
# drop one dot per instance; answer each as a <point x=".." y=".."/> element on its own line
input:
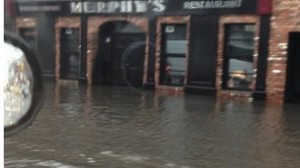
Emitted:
<point x="161" y="83"/>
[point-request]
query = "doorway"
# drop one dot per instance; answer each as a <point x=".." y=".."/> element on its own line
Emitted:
<point x="292" y="94"/>
<point x="120" y="56"/>
<point x="70" y="53"/>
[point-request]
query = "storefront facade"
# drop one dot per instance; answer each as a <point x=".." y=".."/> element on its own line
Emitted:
<point x="207" y="47"/>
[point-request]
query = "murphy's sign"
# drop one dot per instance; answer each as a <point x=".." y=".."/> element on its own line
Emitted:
<point x="157" y="7"/>
<point x="123" y="6"/>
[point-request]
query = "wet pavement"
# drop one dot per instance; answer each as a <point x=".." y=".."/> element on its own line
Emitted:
<point x="120" y="127"/>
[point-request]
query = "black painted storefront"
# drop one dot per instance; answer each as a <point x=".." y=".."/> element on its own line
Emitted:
<point x="203" y="54"/>
<point x="120" y="56"/>
<point x="42" y="39"/>
<point x="203" y="39"/>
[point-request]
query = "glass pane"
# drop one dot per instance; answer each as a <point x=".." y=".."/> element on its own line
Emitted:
<point x="175" y="71"/>
<point x="176" y="46"/>
<point x="240" y="40"/>
<point x="72" y="40"/>
<point x="240" y="74"/>
<point x="240" y="50"/>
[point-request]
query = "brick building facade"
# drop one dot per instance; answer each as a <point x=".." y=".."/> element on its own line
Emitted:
<point x="229" y="48"/>
<point x="285" y="24"/>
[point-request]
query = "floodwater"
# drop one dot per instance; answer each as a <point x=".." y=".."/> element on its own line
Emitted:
<point x="121" y="127"/>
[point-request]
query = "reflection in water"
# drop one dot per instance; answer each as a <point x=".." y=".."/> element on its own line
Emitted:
<point x="118" y="127"/>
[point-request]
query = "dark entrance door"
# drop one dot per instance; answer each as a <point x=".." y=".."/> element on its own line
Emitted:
<point x="128" y="51"/>
<point x="70" y="53"/>
<point x="293" y="71"/>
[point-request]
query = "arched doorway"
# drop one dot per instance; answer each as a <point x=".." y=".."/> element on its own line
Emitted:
<point x="120" y="55"/>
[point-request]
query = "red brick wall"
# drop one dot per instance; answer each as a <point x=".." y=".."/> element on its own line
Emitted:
<point x="285" y="19"/>
<point x="25" y="22"/>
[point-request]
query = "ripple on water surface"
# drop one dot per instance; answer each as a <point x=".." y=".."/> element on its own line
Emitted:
<point x="118" y="127"/>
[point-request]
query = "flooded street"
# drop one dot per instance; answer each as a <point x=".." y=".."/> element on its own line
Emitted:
<point x="120" y="127"/>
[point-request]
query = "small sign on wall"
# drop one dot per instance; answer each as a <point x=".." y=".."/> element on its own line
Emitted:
<point x="69" y="31"/>
<point x="108" y="40"/>
<point x="170" y="29"/>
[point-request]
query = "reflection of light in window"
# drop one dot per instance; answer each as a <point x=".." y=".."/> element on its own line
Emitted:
<point x="176" y="46"/>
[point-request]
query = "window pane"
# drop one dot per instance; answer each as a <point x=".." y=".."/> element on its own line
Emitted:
<point x="240" y="40"/>
<point x="175" y="70"/>
<point x="240" y="47"/>
<point x="240" y="74"/>
<point x="176" y="46"/>
<point x="240" y="65"/>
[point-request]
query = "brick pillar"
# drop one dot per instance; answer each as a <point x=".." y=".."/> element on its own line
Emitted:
<point x="285" y="19"/>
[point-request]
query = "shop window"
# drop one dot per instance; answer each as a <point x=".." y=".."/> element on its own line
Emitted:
<point x="238" y="56"/>
<point x="70" y="53"/>
<point x="174" y="47"/>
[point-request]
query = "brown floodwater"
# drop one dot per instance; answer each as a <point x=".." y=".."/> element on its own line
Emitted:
<point x="123" y="127"/>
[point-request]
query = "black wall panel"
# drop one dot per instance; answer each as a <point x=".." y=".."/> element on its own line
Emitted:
<point x="151" y="60"/>
<point x="45" y="43"/>
<point x="202" y="53"/>
<point x="260" y="88"/>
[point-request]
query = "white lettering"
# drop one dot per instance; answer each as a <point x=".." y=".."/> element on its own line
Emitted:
<point x="159" y="5"/>
<point x="212" y="4"/>
<point x="126" y="6"/>
<point x="101" y="7"/>
<point x="140" y="6"/>
<point x="193" y="5"/>
<point x="76" y="7"/>
<point x="90" y="7"/>
<point x="112" y="6"/>
<point x="208" y="4"/>
<point x="123" y="6"/>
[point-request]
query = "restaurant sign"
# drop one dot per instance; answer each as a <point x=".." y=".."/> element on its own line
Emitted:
<point x="212" y="4"/>
<point x="160" y="7"/>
